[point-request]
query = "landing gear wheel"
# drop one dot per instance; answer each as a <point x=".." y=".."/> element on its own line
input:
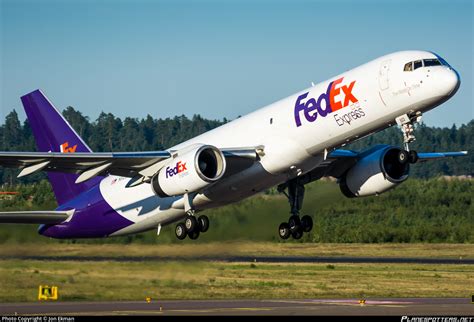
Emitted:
<point x="413" y="156"/>
<point x="297" y="234"/>
<point x="194" y="234"/>
<point x="294" y="223"/>
<point x="191" y="224"/>
<point x="203" y="223"/>
<point x="180" y="231"/>
<point x="307" y="223"/>
<point x="402" y="157"/>
<point x="284" y="230"/>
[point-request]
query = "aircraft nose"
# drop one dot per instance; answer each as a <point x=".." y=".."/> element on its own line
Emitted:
<point x="451" y="81"/>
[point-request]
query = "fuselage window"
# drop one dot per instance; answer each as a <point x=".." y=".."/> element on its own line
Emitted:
<point x="408" y="67"/>
<point x="431" y="62"/>
<point x="417" y="64"/>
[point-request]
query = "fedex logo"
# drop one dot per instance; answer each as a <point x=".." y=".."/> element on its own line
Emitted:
<point x="336" y="97"/>
<point x="180" y="167"/>
<point x="65" y="148"/>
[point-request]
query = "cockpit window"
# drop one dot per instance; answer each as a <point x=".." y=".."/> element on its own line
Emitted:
<point x="417" y="64"/>
<point x="443" y="62"/>
<point x="431" y="62"/>
<point x="408" y="67"/>
<point x="423" y="63"/>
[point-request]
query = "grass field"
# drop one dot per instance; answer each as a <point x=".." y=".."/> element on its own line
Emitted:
<point x="420" y="220"/>
<point x="185" y="279"/>
<point x="216" y="280"/>
<point x="243" y="249"/>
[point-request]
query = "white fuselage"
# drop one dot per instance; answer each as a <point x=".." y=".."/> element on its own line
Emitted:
<point x="295" y="132"/>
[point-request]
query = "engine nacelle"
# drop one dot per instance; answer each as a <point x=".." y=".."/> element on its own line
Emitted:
<point x="190" y="171"/>
<point x="375" y="173"/>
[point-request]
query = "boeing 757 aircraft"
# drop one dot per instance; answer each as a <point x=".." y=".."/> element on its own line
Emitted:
<point x="287" y="144"/>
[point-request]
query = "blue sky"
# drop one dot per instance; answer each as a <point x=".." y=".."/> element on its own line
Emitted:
<point x="215" y="58"/>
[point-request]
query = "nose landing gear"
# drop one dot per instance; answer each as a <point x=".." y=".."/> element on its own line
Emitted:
<point x="407" y="126"/>
<point x="296" y="226"/>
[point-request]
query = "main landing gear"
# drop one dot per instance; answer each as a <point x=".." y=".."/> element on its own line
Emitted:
<point x="407" y="125"/>
<point x="192" y="226"/>
<point x="296" y="226"/>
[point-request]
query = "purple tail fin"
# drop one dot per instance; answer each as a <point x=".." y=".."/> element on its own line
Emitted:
<point x="53" y="133"/>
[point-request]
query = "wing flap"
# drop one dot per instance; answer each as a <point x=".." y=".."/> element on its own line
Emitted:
<point x="34" y="217"/>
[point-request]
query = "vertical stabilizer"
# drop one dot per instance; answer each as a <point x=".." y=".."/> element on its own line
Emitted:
<point x="54" y="134"/>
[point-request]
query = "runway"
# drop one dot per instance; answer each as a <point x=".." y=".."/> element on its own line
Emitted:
<point x="259" y="259"/>
<point x="392" y="306"/>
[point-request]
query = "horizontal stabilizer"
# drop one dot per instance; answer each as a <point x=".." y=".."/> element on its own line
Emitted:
<point x="35" y="217"/>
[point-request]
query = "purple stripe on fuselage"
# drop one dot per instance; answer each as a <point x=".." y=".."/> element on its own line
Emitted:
<point x="93" y="217"/>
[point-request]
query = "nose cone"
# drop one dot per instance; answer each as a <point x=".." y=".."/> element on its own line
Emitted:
<point x="451" y="81"/>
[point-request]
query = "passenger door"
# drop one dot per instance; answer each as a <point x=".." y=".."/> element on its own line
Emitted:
<point x="384" y="75"/>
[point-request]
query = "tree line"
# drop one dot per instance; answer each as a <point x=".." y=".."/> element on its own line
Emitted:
<point x="433" y="210"/>
<point x="111" y="133"/>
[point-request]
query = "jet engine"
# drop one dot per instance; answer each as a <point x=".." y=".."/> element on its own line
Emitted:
<point x="376" y="172"/>
<point x="190" y="170"/>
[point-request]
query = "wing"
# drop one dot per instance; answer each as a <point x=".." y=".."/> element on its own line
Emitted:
<point x="439" y="155"/>
<point x="339" y="161"/>
<point x="34" y="217"/>
<point x="89" y="165"/>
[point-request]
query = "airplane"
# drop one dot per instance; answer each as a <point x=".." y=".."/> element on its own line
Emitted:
<point x="286" y="144"/>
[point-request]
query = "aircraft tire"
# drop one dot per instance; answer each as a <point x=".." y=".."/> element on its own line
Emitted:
<point x="413" y="156"/>
<point x="203" y="223"/>
<point x="307" y="223"/>
<point x="284" y="230"/>
<point x="180" y="231"/>
<point x="294" y="223"/>
<point x="191" y="224"/>
<point x="402" y="157"/>
<point x="297" y="234"/>
<point x="194" y="234"/>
